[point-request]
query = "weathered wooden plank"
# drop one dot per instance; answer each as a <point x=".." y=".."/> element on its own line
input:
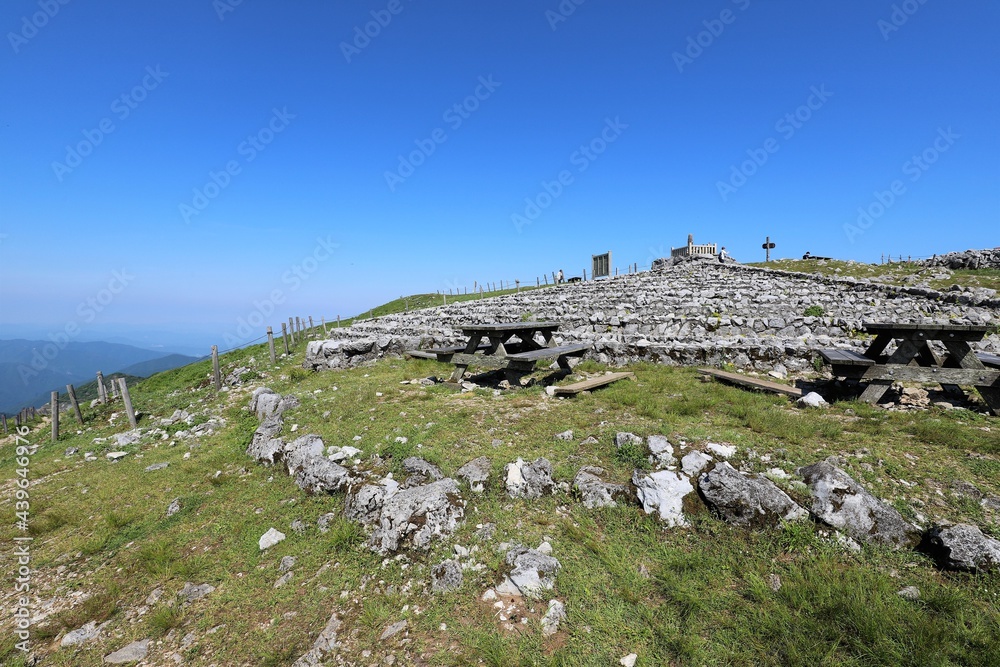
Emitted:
<point x="845" y="357"/>
<point x="550" y="352"/>
<point x="991" y="360"/>
<point x="593" y="383"/>
<point x="421" y="354"/>
<point x="490" y="361"/>
<point x="962" y="376"/>
<point x="508" y="326"/>
<point x="755" y="383"/>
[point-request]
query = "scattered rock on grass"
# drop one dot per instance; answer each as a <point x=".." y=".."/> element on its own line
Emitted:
<point x="532" y="572"/>
<point x="270" y="538"/>
<point x="529" y="480"/>
<point x="134" y="652"/>
<point x="663" y="492"/>
<point x="476" y="472"/>
<point x="747" y="501"/>
<point x="811" y="400"/>
<point x="962" y="547"/>
<point x="446" y="576"/>
<point x="555" y="615"/>
<point x="594" y="491"/>
<point x="842" y="503"/>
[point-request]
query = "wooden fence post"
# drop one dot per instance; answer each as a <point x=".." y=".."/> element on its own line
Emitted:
<point x="3" y="420"/>
<point x="326" y="332"/>
<point x="338" y="321"/>
<point x="216" y="374"/>
<point x="54" y="411"/>
<point x="284" y="337"/>
<point x="73" y="402"/>
<point x="128" y="401"/>
<point x="270" y="344"/>
<point x="102" y="392"/>
<point x="444" y="299"/>
<point x="291" y="330"/>
<point x="114" y="389"/>
<point x="310" y="323"/>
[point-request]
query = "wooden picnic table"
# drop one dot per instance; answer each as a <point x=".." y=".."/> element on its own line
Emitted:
<point x="501" y="351"/>
<point x="915" y="360"/>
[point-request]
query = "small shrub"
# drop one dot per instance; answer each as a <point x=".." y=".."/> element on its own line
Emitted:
<point x="814" y="311"/>
<point x="164" y="619"/>
<point x="632" y="454"/>
<point x="298" y="374"/>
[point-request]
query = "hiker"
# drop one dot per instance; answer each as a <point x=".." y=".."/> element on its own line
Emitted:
<point x="807" y="255"/>
<point x="559" y="279"/>
<point x="722" y="255"/>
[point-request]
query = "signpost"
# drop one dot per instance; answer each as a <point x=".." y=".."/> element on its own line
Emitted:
<point x="767" y="245"/>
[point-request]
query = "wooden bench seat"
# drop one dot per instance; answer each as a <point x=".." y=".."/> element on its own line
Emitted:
<point x="443" y="353"/>
<point x="991" y="360"/>
<point x="455" y="348"/>
<point x="844" y="357"/>
<point x="525" y="361"/>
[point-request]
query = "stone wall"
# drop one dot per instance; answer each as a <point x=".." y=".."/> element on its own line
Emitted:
<point x="967" y="259"/>
<point x="692" y="312"/>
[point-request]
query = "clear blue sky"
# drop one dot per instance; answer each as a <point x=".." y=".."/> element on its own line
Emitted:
<point x="208" y="149"/>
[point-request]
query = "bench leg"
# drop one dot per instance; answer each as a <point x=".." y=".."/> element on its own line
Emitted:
<point x="991" y="396"/>
<point x="513" y="377"/>
<point x="875" y="390"/>
<point x="563" y="361"/>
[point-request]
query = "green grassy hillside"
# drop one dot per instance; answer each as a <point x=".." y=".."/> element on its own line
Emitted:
<point x="105" y="551"/>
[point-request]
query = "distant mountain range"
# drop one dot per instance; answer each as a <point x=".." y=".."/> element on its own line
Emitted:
<point x="31" y="369"/>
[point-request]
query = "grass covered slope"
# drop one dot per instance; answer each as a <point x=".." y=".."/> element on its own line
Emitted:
<point x="105" y="551"/>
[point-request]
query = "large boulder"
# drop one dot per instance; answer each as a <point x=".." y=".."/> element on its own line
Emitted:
<point x="962" y="547"/>
<point x="529" y="480"/>
<point x="417" y="515"/>
<point x="663" y="492"/>
<point x="747" y="501"/>
<point x="842" y="503"/>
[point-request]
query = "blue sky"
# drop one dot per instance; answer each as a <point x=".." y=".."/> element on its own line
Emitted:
<point x="229" y="159"/>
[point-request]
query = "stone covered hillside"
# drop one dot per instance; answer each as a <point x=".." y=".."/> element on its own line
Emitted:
<point x="691" y="312"/>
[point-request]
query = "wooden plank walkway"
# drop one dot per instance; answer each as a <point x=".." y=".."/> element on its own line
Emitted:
<point x="592" y="383"/>
<point x="753" y="382"/>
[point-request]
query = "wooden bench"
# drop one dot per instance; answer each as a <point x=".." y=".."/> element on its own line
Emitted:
<point x="525" y="361"/>
<point x="842" y="357"/>
<point x="443" y="353"/>
<point x="991" y="360"/>
<point x="592" y="383"/>
<point x="752" y="382"/>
